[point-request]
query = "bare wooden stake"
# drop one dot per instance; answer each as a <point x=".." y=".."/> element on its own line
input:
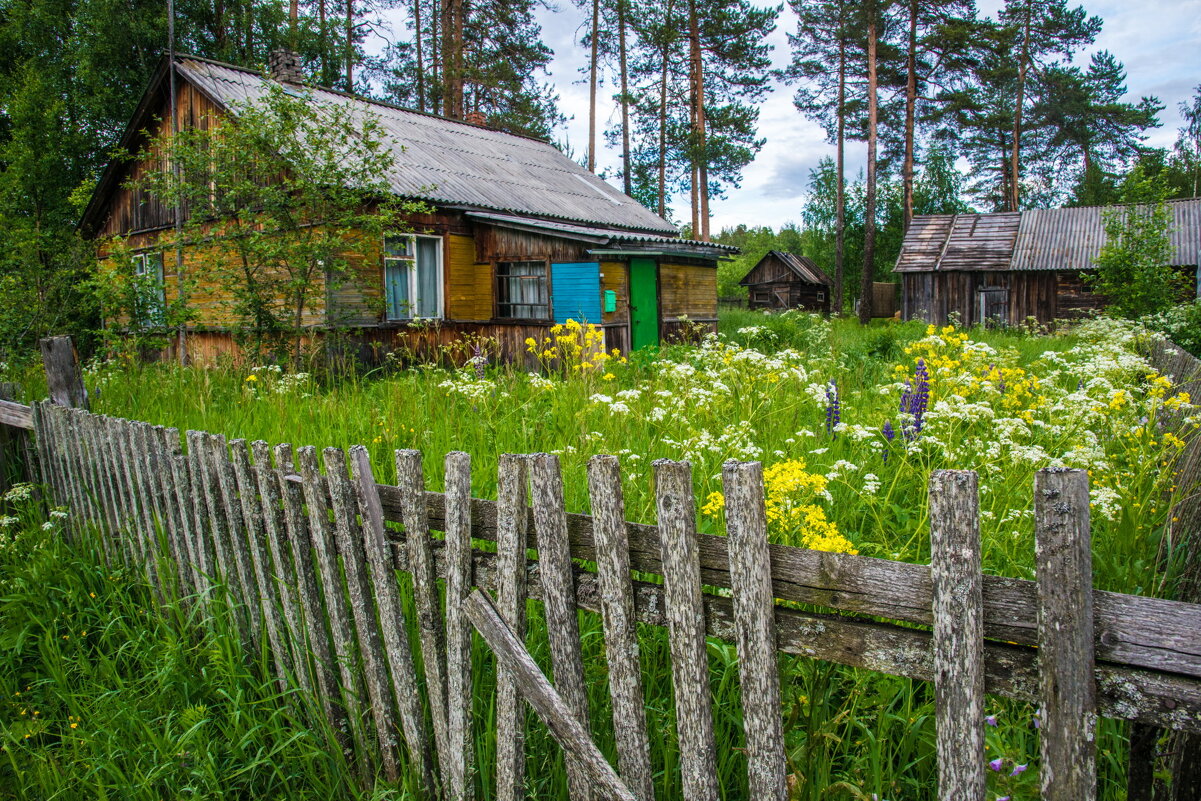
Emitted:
<point x="755" y="624"/>
<point x="958" y="609"/>
<point x="362" y="607"/>
<point x="395" y="627"/>
<point x="277" y="563"/>
<point x="242" y="578"/>
<point x="314" y="652"/>
<point x="105" y="471"/>
<point x="336" y="606"/>
<point x="1065" y="635"/>
<point x="620" y="624"/>
<point x="458" y="627"/>
<point x="168" y="451"/>
<point x="254" y="515"/>
<point x="189" y="530"/>
<point x="558" y="584"/>
<point x="410" y="480"/>
<point x="686" y="629"/>
<point x="512" y="521"/>
<point x="63" y="374"/>
<point x="562" y="721"/>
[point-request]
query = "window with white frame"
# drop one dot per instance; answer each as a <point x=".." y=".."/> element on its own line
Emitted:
<point x="151" y="299"/>
<point x="413" y="276"/>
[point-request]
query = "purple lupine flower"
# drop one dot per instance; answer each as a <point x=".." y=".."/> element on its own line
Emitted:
<point x="889" y="435"/>
<point x="479" y="360"/>
<point x="915" y="400"/>
<point x="996" y="764"/>
<point x="1018" y="770"/>
<point x="1002" y="798"/>
<point x="990" y="720"/>
<point x="833" y="407"/>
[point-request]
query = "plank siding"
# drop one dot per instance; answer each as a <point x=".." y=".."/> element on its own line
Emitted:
<point x="469" y="285"/>
<point x="687" y="290"/>
<point x="615" y="277"/>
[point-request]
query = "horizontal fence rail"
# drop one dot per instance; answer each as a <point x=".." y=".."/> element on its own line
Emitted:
<point x="307" y="546"/>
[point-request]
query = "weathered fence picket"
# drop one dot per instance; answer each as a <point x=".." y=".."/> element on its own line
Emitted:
<point x="958" y="633"/>
<point x="621" y="630"/>
<point x="308" y="565"/>
<point x="512" y="521"/>
<point x="1067" y="697"/>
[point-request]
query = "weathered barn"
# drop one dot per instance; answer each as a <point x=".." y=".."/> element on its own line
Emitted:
<point x="520" y="236"/>
<point x="1011" y="266"/>
<point x="787" y="281"/>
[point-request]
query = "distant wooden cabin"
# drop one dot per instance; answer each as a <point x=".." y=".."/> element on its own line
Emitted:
<point x="787" y="281"/>
<point x="520" y="236"/>
<point x="1011" y="266"/>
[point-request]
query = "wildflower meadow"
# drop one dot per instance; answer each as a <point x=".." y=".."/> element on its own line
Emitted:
<point x="849" y="424"/>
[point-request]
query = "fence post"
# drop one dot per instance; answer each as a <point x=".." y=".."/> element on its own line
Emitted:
<point x="685" y="611"/>
<point x="63" y="374"/>
<point x="458" y="627"/>
<point x="958" y="633"/>
<point x="755" y="623"/>
<point x="1067" y="687"/>
<point x="13" y="447"/>
<point x="512" y="523"/>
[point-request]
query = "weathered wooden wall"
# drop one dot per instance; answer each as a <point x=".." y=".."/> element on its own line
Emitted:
<point x="935" y="296"/>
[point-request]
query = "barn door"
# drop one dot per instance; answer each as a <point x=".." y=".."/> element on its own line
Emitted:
<point x="993" y="305"/>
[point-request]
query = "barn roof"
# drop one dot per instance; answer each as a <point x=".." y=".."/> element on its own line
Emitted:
<point x="803" y="267"/>
<point x="1039" y="239"/>
<point x="447" y="162"/>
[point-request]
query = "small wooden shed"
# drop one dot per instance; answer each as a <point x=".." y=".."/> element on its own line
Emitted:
<point x="1008" y="267"/>
<point x="787" y="281"/>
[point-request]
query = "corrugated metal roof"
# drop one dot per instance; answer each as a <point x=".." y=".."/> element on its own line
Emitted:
<point x="589" y="234"/>
<point x="450" y="162"/>
<point x="1071" y="239"/>
<point x="1039" y="239"/>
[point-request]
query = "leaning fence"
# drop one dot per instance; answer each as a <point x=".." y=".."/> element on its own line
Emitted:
<point x="310" y="558"/>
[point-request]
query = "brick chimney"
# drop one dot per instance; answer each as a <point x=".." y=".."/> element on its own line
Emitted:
<point x="476" y="118"/>
<point x="283" y="65"/>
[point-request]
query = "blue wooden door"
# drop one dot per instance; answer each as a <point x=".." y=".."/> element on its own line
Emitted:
<point x="576" y="292"/>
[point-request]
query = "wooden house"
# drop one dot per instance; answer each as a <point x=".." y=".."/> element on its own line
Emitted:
<point x="787" y="281"/>
<point x="519" y="237"/>
<point x="1010" y="266"/>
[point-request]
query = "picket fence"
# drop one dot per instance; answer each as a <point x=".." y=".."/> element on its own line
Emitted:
<point x="310" y="562"/>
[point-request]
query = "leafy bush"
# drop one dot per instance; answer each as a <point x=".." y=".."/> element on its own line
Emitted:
<point x="1181" y="324"/>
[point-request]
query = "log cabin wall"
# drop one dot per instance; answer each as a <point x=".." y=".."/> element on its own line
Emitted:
<point x="935" y="296"/>
<point x="686" y="290"/>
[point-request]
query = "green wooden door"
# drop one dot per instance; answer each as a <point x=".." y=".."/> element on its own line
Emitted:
<point x="644" y="303"/>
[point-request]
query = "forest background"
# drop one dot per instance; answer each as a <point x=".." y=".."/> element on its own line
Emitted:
<point x="933" y="106"/>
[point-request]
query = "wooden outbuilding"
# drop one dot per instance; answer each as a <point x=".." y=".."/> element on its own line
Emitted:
<point x="1008" y="267"/>
<point x="782" y="280"/>
<point x="519" y="237"/>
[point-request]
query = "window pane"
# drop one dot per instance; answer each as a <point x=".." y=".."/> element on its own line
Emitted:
<point x="396" y="288"/>
<point x="522" y="290"/>
<point x="399" y="246"/>
<point x="428" y="280"/>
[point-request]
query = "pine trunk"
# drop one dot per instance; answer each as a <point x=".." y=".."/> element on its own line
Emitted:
<point x="840" y="187"/>
<point x="592" y="86"/>
<point x="699" y="156"/>
<point x="625" y="98"/>
<point x="1014" y="198"/>
<point x="350" y="46"/>
<point x="869" y="203"/>
<point x="420" y="62"/>
<point x="910" y="114"/>
<point x="323" y="47"/>
<point x="663" y="136"/>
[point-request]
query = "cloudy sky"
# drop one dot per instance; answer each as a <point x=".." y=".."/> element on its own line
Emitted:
<point x="1159" y="41"/>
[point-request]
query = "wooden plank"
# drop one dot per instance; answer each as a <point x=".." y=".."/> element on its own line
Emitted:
<point x="277" y="564"/>
<point x="1067" y="693"/>
<point x="512" y="526"/>
<point x="621" y="630"/>
<point x="458" y="757"/>
<point x="1139" y="631"/>
<point x="562" y="621"/>
<point x="45" y="472"/>
<point x="411" y="481"/>
<point x="144" y="469"/>
<point x="395" y="626"/>
<point x="362" y="606"/>
<point x="205" y="512"/>
<point x="266" y="603"/>
<point x="555" y="712"/>
<point x="141" y="522"/>
<point x="190" y="529"/>
<point x="84" y="469"/>
<point x="16" y="415"/>
<point x="337" y="611"/>
<point x="167" y="440"/>
<point x="63" y="374"/>
<point x="958" y="633"/>
<point x="104" y="469"/>
<point x="686" y="629"/>
<point x="314" y="652"/>
<point x="754" y="621"/>
<point x="127" y="516"/>
<point x="241" y="576"/>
